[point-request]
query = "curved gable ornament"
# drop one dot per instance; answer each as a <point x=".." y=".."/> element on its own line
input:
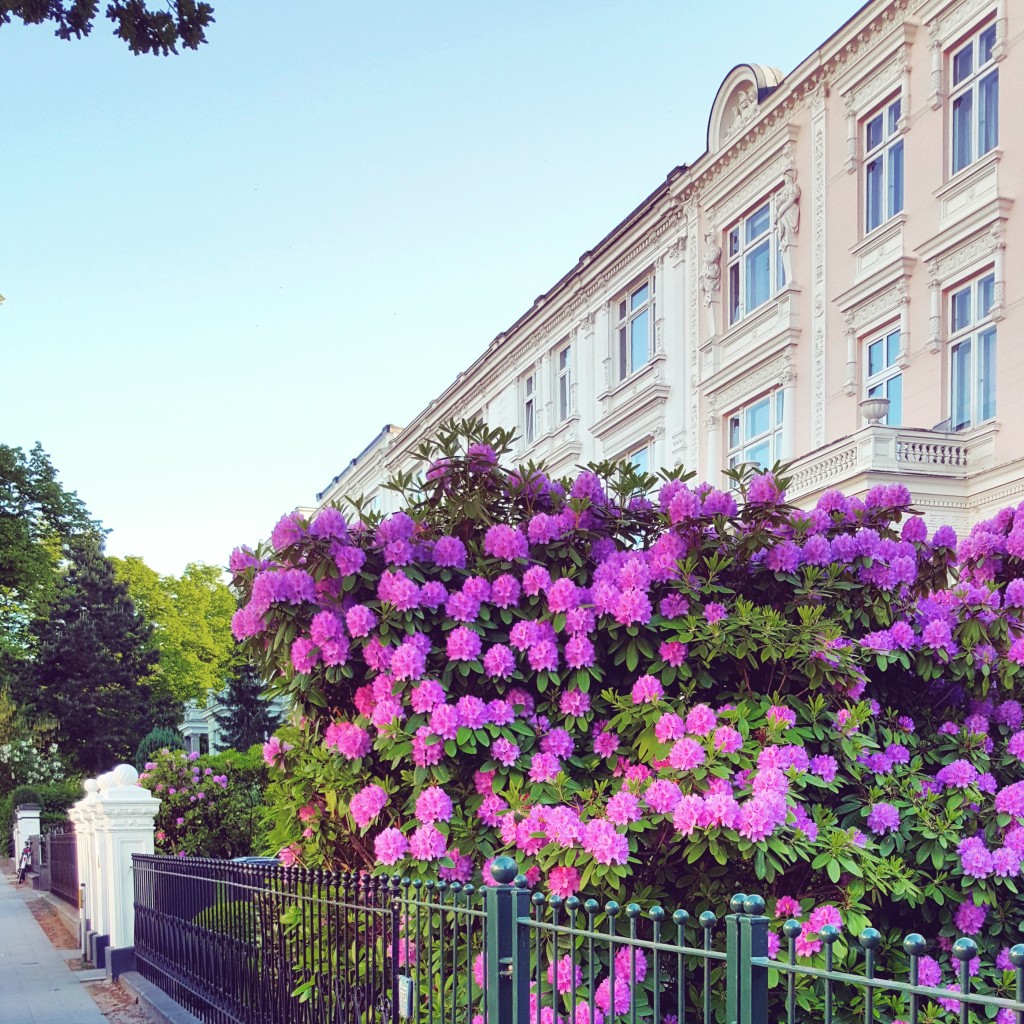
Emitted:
<point x="737" y="102"/>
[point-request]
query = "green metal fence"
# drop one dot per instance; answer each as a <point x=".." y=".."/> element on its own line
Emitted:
<point x="247" y="945"/>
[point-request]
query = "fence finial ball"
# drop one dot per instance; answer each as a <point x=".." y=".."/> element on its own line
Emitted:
<point x="1017" y="956"/>
<point x="965" y="949"/>
<point x="870" y="938"/>
<point x="736" y="903"/>
<point x="792" y="928"/>
<point x="914" y="944"/>
<point x="753" y="905"/>
<point x="504" y="870"/>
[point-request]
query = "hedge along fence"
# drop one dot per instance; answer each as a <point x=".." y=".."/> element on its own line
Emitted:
<point x="637" y="685"/>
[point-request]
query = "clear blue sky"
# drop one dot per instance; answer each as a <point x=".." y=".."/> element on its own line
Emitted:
<point x="226" y="270"/>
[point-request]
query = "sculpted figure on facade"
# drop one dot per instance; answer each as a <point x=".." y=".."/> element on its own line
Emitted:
<point x="711" y="280"/>
<point x="787" y="218"/>
<point x="746" y="111"/>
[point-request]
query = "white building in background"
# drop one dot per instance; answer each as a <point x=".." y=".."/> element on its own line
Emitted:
<point x="849" y="235"/>
<point x="202" y="732"/>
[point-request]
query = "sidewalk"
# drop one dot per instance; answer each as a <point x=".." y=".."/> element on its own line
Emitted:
<point x="36" y="986"/>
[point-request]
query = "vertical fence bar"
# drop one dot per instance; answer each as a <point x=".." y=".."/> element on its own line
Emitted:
<point x="965" y="950"/>
<point x="869" y="941"/>
<point x="1017" y="962"/>
<point x="732" y="961"/>
<point x="707" y="922"/>
<point x="829" y="933"/>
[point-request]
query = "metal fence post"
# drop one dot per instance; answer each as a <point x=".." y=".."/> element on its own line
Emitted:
<point x="508" y="951"/>
<point x="746" y="936"/>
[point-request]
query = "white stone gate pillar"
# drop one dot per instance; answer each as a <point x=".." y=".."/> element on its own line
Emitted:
<point x="125" y="815"/>
<point x="85" y="853"/>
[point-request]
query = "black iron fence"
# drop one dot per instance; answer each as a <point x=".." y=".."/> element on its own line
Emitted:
<point x="62" y="860"/>
<point x="263" y="943"/>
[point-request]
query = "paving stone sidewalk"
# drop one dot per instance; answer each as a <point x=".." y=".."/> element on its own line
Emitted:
<point x="36" y="986"/>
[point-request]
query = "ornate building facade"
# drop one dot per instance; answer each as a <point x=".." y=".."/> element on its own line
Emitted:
<point x="831" y="283"/>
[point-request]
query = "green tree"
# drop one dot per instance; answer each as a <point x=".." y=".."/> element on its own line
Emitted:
<point x="191" y="619"/>
<point x="158" y="32"/>
<point x="94" y="656"/>
<point x="37" y="516"/>
<point x="246" y="718"/>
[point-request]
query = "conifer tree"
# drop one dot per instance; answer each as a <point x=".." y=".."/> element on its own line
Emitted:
<point x="247" y="717"/>
<point x="94" y="656"/>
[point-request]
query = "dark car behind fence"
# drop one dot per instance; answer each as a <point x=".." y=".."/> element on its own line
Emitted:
<point x="262" y="943"/>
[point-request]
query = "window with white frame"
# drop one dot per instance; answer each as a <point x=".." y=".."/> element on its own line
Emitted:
<point x="883" y="377"/>
<point x="528" y="387"/>
<point x="974" y="98"/>
<point x="755" y="431"/>
<point x="756" y="272"/>
<point x="972" y="354"/>
<point x="641" y="458"/>
<point x="563" y="389"/>
<point x="634" y="332"/>
<point x="883" y="166"/>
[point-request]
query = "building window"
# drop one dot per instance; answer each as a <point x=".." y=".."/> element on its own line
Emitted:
<point x="529" y="392"/>
<point x="641" y="459"/>
<point x="972" y="373"/>
<point x="563" y="367"/>
<point x="755" y="431"/>
<point x="755" y="263"/>
<point x="883" y="377"/>
<point x="636" y="313"/>
<point x="883" y="166"/>
<point x="974" y="99"/>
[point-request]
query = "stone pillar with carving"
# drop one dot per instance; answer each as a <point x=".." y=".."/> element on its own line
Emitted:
<point x="713" y="426"/>
<point x="998" y="311"/>
<point x="125" y="816"/>
<point x="788" y="441"/>
<point x="935" y="311"/>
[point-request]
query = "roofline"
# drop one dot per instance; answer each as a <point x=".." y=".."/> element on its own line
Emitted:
<point x="385" y="431"/>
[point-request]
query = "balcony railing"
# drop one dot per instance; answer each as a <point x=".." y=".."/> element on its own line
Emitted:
<point x="891" y="451"/>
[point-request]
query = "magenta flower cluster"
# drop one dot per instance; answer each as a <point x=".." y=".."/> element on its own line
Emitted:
<point x="599" y="686"/>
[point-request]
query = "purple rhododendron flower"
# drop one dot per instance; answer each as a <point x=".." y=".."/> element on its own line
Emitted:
<point x="883" y="818"/>
<point x="715" y="612"/>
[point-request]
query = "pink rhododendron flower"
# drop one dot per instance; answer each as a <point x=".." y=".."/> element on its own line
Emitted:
<point x="574" y="703"/>
<point x="563" y="881"/>
<point x="390" y="846"/>
<point x="700" y="720"/>
<point x="367" y="804"/>
<point x="686" y="754"/>
<point x="504" y="751"/>
<point x="647" y="690"/>
<point x="349" y="739"/>
<point x="433" y="804"/>
<point x="427" y="843"/>
<point x="463" y="644"/>
<point x="604" y="843"/>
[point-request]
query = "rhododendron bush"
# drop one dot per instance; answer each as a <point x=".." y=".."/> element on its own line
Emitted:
<point x="649" y="689"/>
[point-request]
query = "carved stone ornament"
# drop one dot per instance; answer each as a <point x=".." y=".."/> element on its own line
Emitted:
<point x="743" y="110"/>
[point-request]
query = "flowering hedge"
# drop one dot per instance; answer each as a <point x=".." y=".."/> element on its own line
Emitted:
<point x="204" y="811"/>
<point x="671" y="699"/>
